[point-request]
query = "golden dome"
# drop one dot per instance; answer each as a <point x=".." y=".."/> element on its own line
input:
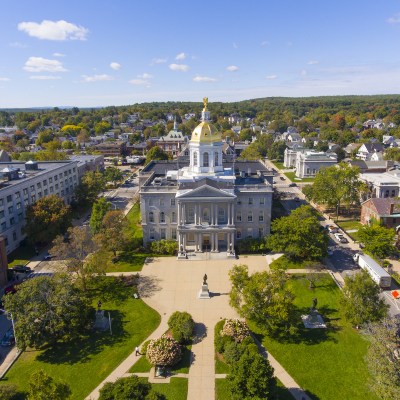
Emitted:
<point x="205" y="133"/>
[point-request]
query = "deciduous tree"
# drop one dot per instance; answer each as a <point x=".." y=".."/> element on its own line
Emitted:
<point x="47" y="218"/>
<point x="383" y="357"/>
<point x="92" y="184"/>
<point x="44" y="387"/>
<point x="360" y="300"/>
<point x="48" y="309"/>
<point x="299" y="235"/>
<point x="113" y="174"/>
<point x="99" y="210"/>
<point x="378" y="240"/>
<point x="155" y="153"/>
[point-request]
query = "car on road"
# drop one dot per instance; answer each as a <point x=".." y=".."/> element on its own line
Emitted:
<point x="8" y="338"/>
<point x="296" y="199"/>
<point x="330" y="251"/>
<point x="47" y="257"/>
<point x="281" y="178"/>
<point x="22" y="269"/>
<point x="332" y="229"/>
<point x="292" y="184"/>
<point x="340" y="238"/>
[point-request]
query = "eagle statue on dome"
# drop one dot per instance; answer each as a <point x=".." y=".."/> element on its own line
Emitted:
<point x="205" y="102"/>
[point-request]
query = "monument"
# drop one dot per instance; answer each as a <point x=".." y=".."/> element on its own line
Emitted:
<point x="313" y="320"/>
<point x="231" y="251"/>
<point x="204" y="292"/>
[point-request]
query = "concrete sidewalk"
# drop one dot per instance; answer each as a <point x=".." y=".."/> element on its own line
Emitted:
<point x="170" y="286"/>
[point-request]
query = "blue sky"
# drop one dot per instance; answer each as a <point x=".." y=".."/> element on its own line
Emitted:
<point x="98" y="53"/>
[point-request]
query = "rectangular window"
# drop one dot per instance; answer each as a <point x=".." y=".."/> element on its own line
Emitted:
<point x="40" y="195"/>
<point x="262" y="200"/>
<point x="45" y="182"/>
<point x="250" y="217"/>
<point x="62" y="192"/>
<point x="221" y="215"/>
<point x="3" y="226"/>
<point x="46" y="192"/>
<point x="50" y="180"/>
<point x="9" y="198"/>
<point x="173" y="216"/>
<point x="162" y="233"/>
<point x="33" y="198"/>
<point x="39" y="185"/>
<point x="32" y="188"/>
<point x="173" y="234"/>
<point x="12" y="221"/>
<point x="56" y="186"/>
<point x="1" y="214"/>
<point x="191" y="215"/>
<point x="239" y="216"/>
<point x="14" y="236"/>
<point x="238" y="234"/>
<point x="260" y="232"/>
<point x="25" y="192"/>
<point x="173" y="201"/>
<point x="17" y="195"/>
<point x="308" y="171"/>
<point x="250" y="200"/>
<point x="250" y="232"/>
<point x="19" y="205"/>
<point x="26" y="202"/>
<point x="152" y="234"/>
<point x="56" y="178"/>
<point x="65" y="173"/>
<point x="10" y="210"/>
<point x="161" y="202"/>
<point x="239" y="202"/>
<point x="261" y="217"/>
<point x="20" y="217"/>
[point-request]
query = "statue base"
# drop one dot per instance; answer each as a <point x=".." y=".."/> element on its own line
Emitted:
<point x="230" y="254"/>
<point x="182" y="256"/>
<point x="204" y="293"/>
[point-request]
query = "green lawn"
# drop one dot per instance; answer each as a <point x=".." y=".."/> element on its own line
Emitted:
<point x="133" y="217"/>
<point x="279" y="165"/>
<point x="175" y="390"/>
<point x="84" y="364"/>
<point x="21" y="255"/>
<point x="141" y="365"/>
<point x="329" y="364"/>
<point x="128" y="261"/>
<point x="350" y="225"/>
<point x="292" y="176"/>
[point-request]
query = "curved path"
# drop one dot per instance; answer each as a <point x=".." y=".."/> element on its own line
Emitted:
<point x="171" y="285"/>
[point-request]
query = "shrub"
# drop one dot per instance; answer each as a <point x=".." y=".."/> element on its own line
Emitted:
<point x="182" y="325"/>
<point x="232" y="353"/>
<point x="164" y="351"/>
<point x="143" y="349"/>
<point x="164" y="247"/>
<point x="236" y="329"/>
<point x="250" y="245"/>
<point x="8" y="392"/>
<point x="221" y="342"/>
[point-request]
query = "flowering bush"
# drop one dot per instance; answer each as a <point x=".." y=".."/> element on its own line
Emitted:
<point x="164" y="351"/>
<point x="236" y="329"/>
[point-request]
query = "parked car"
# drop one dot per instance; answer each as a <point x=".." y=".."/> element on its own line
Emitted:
<point x="281" y="178"/>
<point x="296" y="199"/>
<point x="330" y="251"/>
<point x="340" y="238"/>
<point x="22" y="269"/>
<point x="292" y="184"/>
<point x="333" y="229"/>
<point x="8" y="338"/>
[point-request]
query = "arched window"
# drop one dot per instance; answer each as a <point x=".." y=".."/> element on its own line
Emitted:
<point x="162" y="216"/>
<point x="151" y="216"/>
<point x="205" y="160"/>
<point x="216" y="159"/>
<point x="195" y="159"/>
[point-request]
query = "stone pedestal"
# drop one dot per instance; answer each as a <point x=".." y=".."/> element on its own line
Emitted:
<point x="101" y="322"/>
<point x="182" y="255"/>
<point x="230" y="254"/>
<point x="204" y="292"/>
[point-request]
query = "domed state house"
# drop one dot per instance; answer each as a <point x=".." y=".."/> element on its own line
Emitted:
<point x="203" y="201"/>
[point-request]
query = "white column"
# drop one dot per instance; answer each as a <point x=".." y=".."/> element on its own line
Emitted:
<point x="229" y="214"/>
<point x="216" y="214"/>
<point x="179" y="213"/>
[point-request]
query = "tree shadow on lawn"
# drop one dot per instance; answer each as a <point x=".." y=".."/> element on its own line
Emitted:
<point x="116" y="289"/>
<point x="148" y="285"/>
<point x="81" y="350"/>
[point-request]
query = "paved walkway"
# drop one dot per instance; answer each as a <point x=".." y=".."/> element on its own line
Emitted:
<point x="170" y="285"/>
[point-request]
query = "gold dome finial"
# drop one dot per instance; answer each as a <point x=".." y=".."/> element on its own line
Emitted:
<point x="205" y="102"/>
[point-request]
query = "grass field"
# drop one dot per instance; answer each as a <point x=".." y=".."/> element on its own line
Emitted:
<point x="351" y="225"/>
<point x="175" y="390"/>
<point x="84" y="364"/>
<point x="329" y="363"/>
<point x="133" y="217"/>
<point x="279" y="165"/>
<point x="292" y="176"/>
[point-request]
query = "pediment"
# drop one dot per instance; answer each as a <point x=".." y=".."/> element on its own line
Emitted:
<point x="204" y="192"/>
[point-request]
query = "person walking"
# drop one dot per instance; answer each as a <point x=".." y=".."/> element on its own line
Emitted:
<point x="137" y="352"/>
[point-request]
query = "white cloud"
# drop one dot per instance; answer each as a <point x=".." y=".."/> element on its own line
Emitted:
<point x="180" y="56"/>
<point x="140" y="82"/>
<point x="313" y="62"/>
<point x="179" y="67"/>
<point x="116" y="66"/>
<point x="96" y="78"/>
<point x="145" y="75"/>
<point x="58" y="55"/>
<point x="265" y="43"/>
<point x="54" y="30"/>
<point x="45" y="77"/>
<point x="4" y="79"/>
<point x="158" y="61"/>
<point x="271" y="76"/>
<point x="40" y="64"/>
<point x="203" y="79"/>
<point x="395" y="19"/>
<point x="232" y="68"/>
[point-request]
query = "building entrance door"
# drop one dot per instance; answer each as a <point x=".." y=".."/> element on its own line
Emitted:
<point x="206" y="243"/>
